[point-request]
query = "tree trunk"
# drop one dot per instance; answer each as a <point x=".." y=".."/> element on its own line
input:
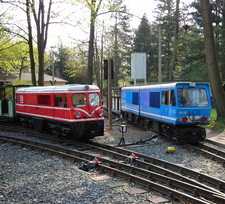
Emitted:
<point x="223" y="42"/>
<point x="174" y="55"/>
<point x="30" y="44"/>
<point x="213" y="71"/>
<point x="42" y="34"/>
<point x="91" y="54"/>
<point x="91" y="42"/>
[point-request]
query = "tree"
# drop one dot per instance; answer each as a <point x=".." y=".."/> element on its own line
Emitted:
<point x="214" y="75"/>
<point x="165" y="16"/>
<point x="70" y="63"/>
<point x="176" y="29"/>
<point x="120" y="41"/>
<point x="14" y="57"/>
<point x="143" y="42"/>
<point x="42" y="26"/>
<point x="94" y="13"/>
<point x="41" y="13"/>
<point x="30" y="44"/>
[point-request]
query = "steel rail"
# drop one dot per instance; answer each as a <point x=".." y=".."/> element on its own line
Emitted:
<point x="151" y="167"/>
<point x="165" y="164"/>
<point x="214" y="143"/>
<point x="216" y="151"/>
<point x="68" y="154"/>
<point x="173" y="167"/>
<point x="213" y="154"/>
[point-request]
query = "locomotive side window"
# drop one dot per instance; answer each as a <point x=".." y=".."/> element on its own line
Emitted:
<point x="135" y="98"/>
<point x="154" y="99"/>
<point x="94" y="99"/>
<point x="164" y="97"/>
<point x="58" y="100"/>
<point x="79" y="100"/>
<point x="19" y="98"/>
<point x="43" y="99"/>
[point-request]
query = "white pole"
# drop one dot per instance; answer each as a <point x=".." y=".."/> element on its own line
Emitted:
<point x="160" y="57"/>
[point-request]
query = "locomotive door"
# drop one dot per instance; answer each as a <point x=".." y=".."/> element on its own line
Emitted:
<point x="172" y="110"/>
<point x="60" y="107"/>
<point x="168" y="110"/>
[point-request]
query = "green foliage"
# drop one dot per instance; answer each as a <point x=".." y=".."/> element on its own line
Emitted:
<point x="191" y="64"/>
<point x="216" y="123"/>
<point x="119" y="39"/>
<point x="14" y="57"/>
<point x="70" y="64"/>
<point x="145" y="40"/>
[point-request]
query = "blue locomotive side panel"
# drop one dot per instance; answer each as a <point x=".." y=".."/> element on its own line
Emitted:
<point x="150" y="103"/>
<point x="130" y="100"/>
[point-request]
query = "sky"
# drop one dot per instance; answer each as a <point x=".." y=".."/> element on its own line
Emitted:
<point x="136" y="7"/>
<point x="68" y="34"/>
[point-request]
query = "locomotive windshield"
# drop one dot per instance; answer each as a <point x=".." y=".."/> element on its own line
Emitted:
<point x="79" y="100"/>
<point x="192" y="97"/>
<point x="94" y="99"/>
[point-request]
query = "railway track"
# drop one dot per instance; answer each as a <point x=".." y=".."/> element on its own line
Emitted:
<point x="212" y="152"/>
<point x="140" y="171"/>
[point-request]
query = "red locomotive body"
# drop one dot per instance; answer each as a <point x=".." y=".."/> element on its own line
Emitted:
<point x="68" y="110"/>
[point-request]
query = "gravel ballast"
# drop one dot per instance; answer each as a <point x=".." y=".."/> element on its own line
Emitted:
<point x="27" y="176"/>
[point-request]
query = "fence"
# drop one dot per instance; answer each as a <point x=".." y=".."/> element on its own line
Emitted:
<point x="115" y="99"/>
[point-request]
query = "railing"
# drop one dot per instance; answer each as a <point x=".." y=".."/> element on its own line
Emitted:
<point x="115" y="99"/>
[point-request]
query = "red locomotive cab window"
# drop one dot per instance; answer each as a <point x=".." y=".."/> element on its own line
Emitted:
<point x="58" y="100"/>
<point x="19" y="99"/>
<point x="94" y="99"/>
<point x="79" y="100"/>
<point x="65" y="101"/>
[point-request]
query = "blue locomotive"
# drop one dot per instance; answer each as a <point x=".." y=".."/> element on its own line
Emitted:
<point x="174" y="110"/>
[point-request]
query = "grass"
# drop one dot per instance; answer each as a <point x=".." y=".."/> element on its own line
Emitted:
<point x="216" y="123"/>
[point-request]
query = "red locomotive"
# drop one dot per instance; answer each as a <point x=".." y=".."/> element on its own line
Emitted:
<point x="74" y="111"/>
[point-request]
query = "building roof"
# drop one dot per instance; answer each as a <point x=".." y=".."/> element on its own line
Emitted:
<point x="27" y="77"/>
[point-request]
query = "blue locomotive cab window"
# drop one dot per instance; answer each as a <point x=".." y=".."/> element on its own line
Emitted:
<point x="94" y="99"/>
<point x="192" y="97"/>
<point x="135" y="98"/>
<point x="79" y="100"/>
<point x="172" y="98"/>
<point x="155" y="99"/>
<point x="165" y="98"/>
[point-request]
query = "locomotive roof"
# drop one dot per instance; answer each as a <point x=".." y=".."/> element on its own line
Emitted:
<point x="59" y="88"/>
<point x="168" y="85"/>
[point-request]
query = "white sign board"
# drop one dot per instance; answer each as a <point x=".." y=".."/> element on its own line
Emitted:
<point x="138" y="65"/>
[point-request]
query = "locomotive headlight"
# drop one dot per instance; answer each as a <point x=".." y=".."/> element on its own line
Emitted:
<point x="78" y="114"/>
<point x="179" y="119"/>
<point x="101" y="113"/>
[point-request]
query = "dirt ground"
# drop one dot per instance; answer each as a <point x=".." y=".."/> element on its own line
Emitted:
<point x="136" y="134"/>
<point x="216" y="135"/>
